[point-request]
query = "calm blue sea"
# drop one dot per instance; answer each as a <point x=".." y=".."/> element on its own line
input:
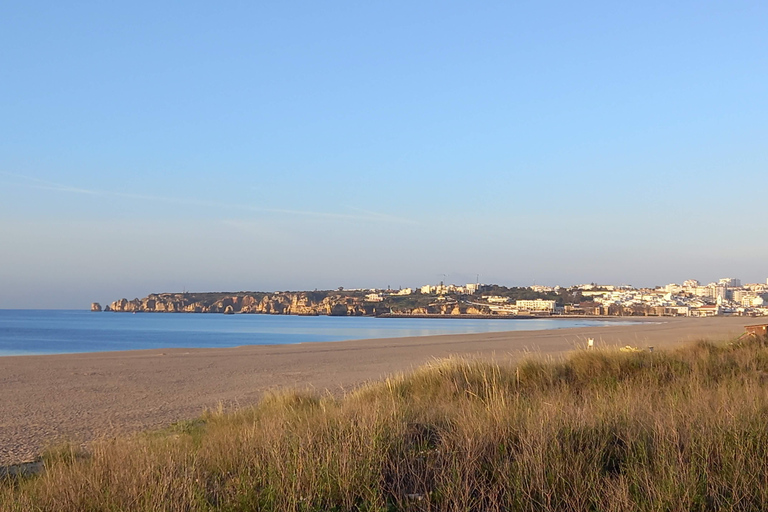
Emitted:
<point x="24" y="332"/>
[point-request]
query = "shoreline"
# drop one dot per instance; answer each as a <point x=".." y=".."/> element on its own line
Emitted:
<point x="84" y="396"/>
<point x="575" y="319"/>
<point x="606" y="320"/>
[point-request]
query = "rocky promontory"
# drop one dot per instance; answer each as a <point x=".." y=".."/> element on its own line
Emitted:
<point x="281" y="303"/>
<point x="331" y="303"/>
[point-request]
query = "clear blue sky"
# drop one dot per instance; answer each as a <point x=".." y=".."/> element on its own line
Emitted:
<point x="300" y="145"/>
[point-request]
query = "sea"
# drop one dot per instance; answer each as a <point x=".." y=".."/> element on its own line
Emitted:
<point x="31" y="332"/>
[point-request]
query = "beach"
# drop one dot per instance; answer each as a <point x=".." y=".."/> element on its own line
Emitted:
<point x="48" y="399"/>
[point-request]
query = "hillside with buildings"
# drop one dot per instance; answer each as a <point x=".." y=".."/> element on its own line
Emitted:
<point x="728" y="296"/>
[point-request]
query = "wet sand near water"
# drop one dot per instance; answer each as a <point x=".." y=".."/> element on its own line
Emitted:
<point x="51" y="398"/>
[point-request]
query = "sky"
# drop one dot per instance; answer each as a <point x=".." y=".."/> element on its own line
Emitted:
<point x="209" y="146"/>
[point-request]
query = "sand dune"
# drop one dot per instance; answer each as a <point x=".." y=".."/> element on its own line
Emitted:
<point x="46" y="399"/>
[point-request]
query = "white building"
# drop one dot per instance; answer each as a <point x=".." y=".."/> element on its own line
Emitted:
<point x="721" y="292"/>
<point x="536" y="305"/>
<point x="739" y="294"/>
<point x="472" y="287"/>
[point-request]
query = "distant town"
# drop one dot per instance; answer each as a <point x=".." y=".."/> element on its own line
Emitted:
<point x="726" y="297"/>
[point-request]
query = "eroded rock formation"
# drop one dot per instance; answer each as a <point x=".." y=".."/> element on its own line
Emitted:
<point x="330" y="303"/>
<point x="280" y="303"/>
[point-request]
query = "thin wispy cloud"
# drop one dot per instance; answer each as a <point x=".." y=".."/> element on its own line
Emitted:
<point x="363" y="215"/>
<point x="47" y="185"/>
<point x="381" y="216"/>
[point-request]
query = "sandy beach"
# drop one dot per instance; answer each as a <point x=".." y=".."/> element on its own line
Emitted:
<point x="80" y="397"/>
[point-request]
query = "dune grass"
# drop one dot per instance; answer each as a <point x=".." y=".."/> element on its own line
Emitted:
<point x="601" y="430"/>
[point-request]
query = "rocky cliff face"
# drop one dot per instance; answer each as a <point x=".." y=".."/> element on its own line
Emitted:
<point x="284" y="303"/>
<point x="331" y="303"/>
<point x="448" y="309"/>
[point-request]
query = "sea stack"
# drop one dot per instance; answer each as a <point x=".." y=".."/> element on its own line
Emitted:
<point x="95" y="306"/>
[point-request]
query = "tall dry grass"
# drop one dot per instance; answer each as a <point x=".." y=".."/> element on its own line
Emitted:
<point x="602" y="430"/>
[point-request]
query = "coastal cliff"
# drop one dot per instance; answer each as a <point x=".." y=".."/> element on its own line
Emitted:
<point x="329" y="303"/>
<point x="284" y="303"/>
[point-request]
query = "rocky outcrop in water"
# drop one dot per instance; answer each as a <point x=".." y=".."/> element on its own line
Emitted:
<point x="95" y="306"/>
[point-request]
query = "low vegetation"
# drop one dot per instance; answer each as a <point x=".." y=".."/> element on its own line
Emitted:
<point x="407" y="303"/>
<point x="562" y="296"/>
<point x="602" y="430"/>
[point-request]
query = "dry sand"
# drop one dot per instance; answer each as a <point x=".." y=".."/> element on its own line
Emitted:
<point x="47" y="399"/>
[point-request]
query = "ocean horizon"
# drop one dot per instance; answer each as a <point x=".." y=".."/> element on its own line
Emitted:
<point x="55" y="331"/>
